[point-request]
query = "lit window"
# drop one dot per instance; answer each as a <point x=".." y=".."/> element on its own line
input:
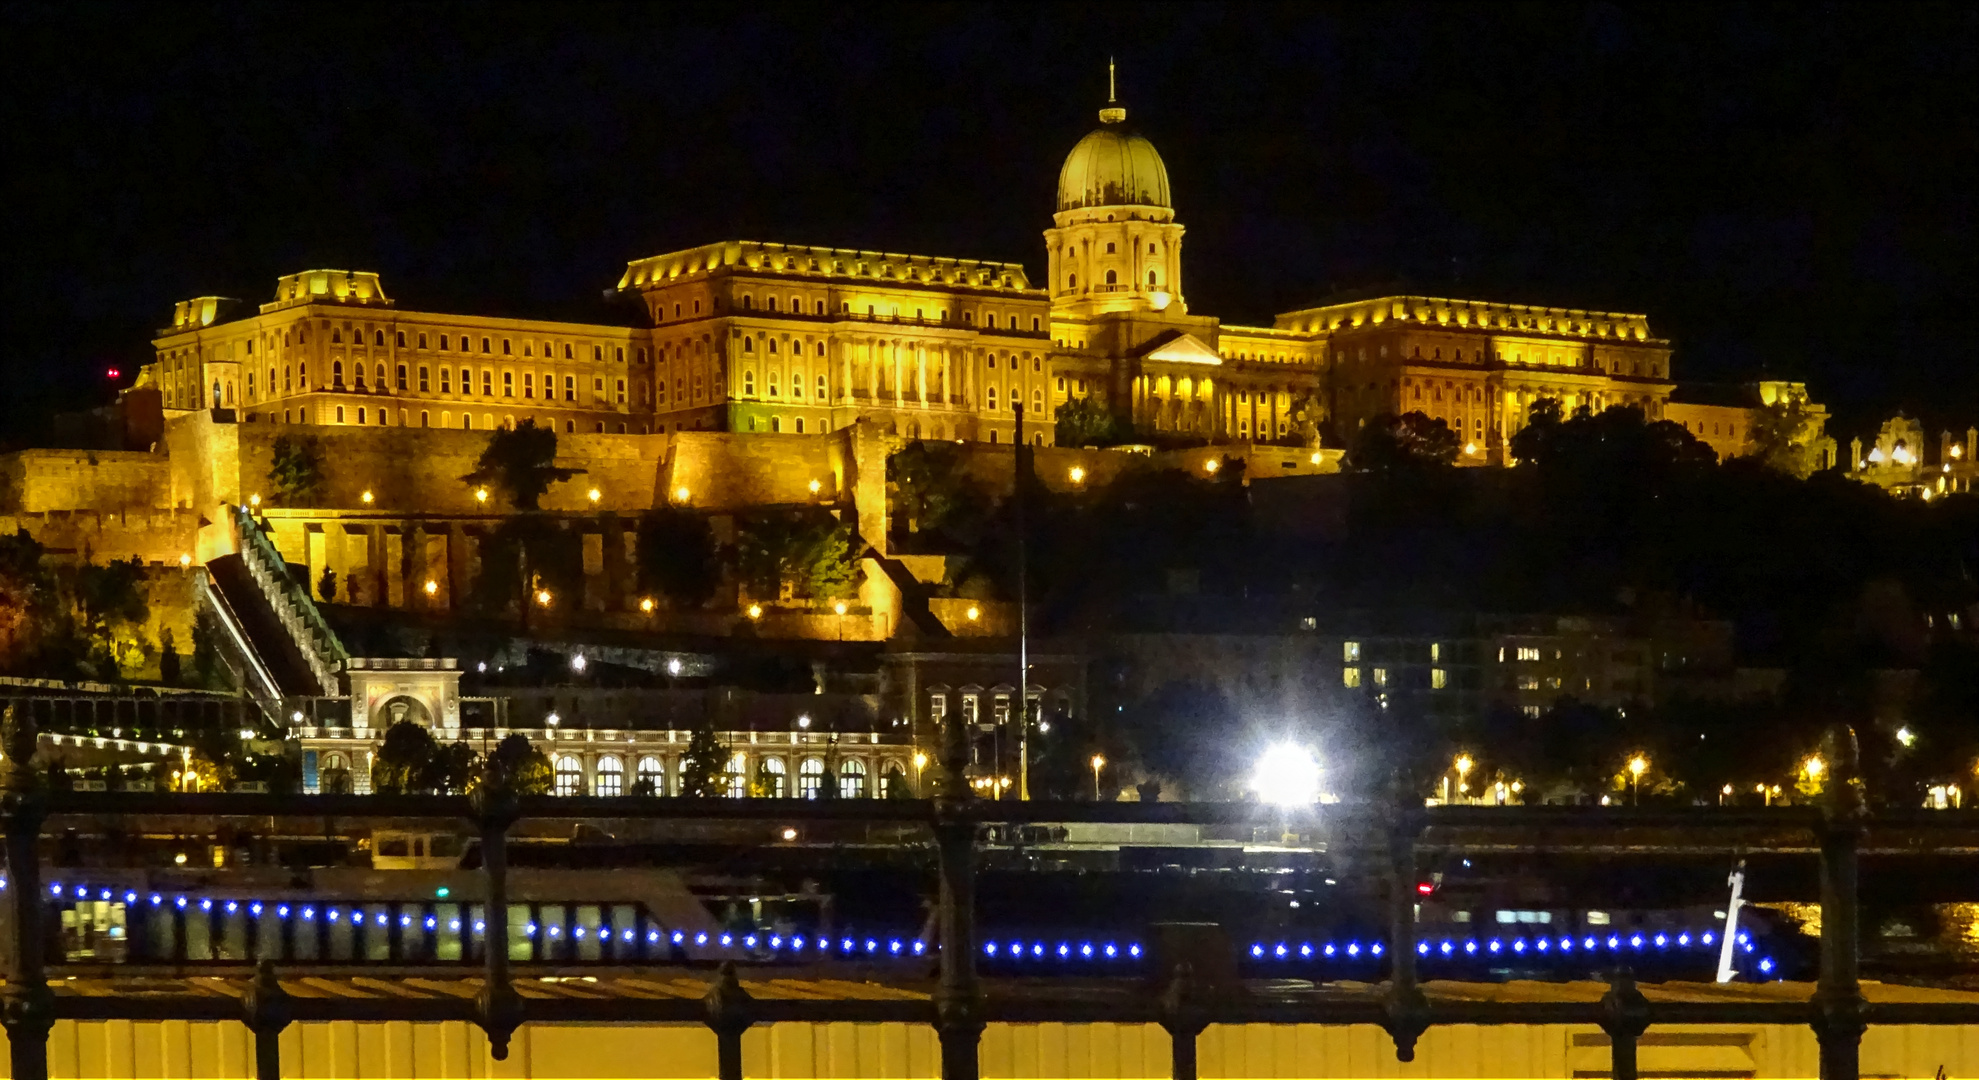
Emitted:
<point x="1528" y="652"/>
<point x="1439" y="678"/>
<point x="1350" y="677"/>
<point x="1381" y="676"/>
<point x="1351" y="652"/>
<point x="569" y="776"/>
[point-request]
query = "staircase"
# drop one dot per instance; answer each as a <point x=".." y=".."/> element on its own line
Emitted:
<point x="283" y="645"/>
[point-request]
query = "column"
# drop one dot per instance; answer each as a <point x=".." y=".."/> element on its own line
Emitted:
<point x="921" y="372"/>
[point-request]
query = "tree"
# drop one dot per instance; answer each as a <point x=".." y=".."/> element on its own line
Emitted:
<point x="113" y="607"/>
<point x="703" y="767"/>
<point x="526" y="769"/>
<point x="524" y="554"/>
<point x="1086" y="421"/>
<point x="677" y="555"/>
<point x="326" y="586"/>
<point x="928" y="486"/>
<point x="451" y="769"/>
<point x="405" y="759"/>
<point x="296" y="472"/>
<point x="1412" y="443"/>
<point x="169" y="663"/>
<point x="782" y="554"/>
<point x="27" y="598"/>
<point x="1779" y="436"/>
<point x="519" y="462"/>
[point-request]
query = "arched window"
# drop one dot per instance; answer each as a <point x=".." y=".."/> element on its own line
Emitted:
<point x="748" y="382"/>
<point x="893" y="782"/>
<point x="810" y="778"/>
<point x="775" y="784"/>
<point x="378" y="338"/>
<point x="651" y="777"/>
<point x="852" y="779"/>
<point x="335" y="779"/>
<point x="611" y="777"/>
<point x="748" y="345"/>
<point x="821" y="384"/>
<point x="401" y="382"/>
<point x="1072" y="281"/>
<point x="570" y="776"/>
<point x="1150" y="279"/>
<point x="737" y="776"/>
<point x="1113" y="277"/>
<point x="337" y="374"/>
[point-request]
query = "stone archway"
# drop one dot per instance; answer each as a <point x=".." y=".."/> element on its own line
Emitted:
<point x="403" y="707"/>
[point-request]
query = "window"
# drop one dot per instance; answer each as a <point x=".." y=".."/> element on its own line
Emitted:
<point x="821" y="388"/>
<point x="529" y="384"/>
<point x="1109" y="247"/>
<point x="1351" y="652"/>
<point x="651" y="777"/>
<point x="892" y="779"/>
<point x="1113" y="277"/>
<point x="446" y="380"/>
<point x="337" y="374"/>
<point x="486" y="346"/>
<point x="621" y="391"/>
<point x="1528" y="682"/>
<point x="992" y="397"/>
<point x="570" y="388"/>
<point x="611" y="777"/>
<point x="748" y="382"/>
<point x="852" y="779"/>
<point x="810" y="778"/>
<point x="443" y="342"/>
<point x="487" y="383"/>
<point x="507" y="349"/>
<point x="401" y="378"/>
<point x="1381" y="676"/>
<point x="773" y="779"/>
<point x="1439" y="678"/>
<point x="1350" y="677"/>
<point x="508" y="384"/>
<point x="569" y="776"/>
<point x="1527" y="652"/>
<point x="737" y="776"/>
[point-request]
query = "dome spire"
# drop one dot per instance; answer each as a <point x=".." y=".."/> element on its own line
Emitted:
<point x="1113" y="113"/>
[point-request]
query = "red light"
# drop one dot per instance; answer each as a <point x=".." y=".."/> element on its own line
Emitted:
<point x="114" y="373"/>
<point x="1425" y="888"/>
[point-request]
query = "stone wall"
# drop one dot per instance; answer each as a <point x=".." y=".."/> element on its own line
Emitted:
<point x="722" y="470"/>
<point x="103" y="481"/>
<point x="419" y="470"/>
<point x="151" y="536"/>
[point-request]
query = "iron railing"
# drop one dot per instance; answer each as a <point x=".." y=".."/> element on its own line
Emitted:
<point x="961" y="1004"/>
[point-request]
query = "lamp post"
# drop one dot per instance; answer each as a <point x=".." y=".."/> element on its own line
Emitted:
<point x="1637" y="766"/>
<point x="920" y="762"/>
<point x="1099" y="762"/>
<point x="1463" y="766"/>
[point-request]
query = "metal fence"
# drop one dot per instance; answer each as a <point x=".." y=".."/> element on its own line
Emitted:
<point x="961" y="1005"/>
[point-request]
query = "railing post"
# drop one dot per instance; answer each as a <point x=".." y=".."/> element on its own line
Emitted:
<point x="27" y="1006"/>
<point x="268" y="1012"/>
<point x="1407" y="1009"/>
<point x="1838" y="1003"/>
<point x="500" y="1007"/>
<point x="1624" y="1016"/>
<point x="1184" y="1017"/>
<point x="729" y="1016"/>
<point x="958" y="998"/>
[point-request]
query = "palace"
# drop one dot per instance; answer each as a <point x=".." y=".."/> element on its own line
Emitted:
<point x="767" y="338"/>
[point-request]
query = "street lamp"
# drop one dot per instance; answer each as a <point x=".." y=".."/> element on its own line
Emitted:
<point x="755" y="611"/>
<point x="920" y="762"/>
<point x="432" y="587"/>
<point x="1287" y="775"/>
<point x="1463" y="766"/>
<point x="1077" y="474"/>
<point x="1099" y="762"/>
<point x="367" y="498"/>
<point x="1814" y="767"/>
<point x="839" y="609"/>
<point x="481" y="495"/>
<point x="594" y="494"/>
<point x="646" y="605"/>
<point x="1637" y="766"/>
<point x="543" y="597"/>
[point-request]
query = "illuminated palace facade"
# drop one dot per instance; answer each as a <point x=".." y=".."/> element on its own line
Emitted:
<point x="786" y="339"/>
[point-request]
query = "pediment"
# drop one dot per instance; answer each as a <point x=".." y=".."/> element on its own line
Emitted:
<point x="1183" y="349"/>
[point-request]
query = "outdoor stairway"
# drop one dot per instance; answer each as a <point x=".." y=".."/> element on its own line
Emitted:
<point x="271" y="645"/>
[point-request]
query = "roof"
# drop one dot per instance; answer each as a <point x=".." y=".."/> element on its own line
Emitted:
<point x="1113" y="166"/>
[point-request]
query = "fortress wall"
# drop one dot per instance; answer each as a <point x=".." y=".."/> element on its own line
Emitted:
<point x="418" y="470"/>
<point x="729" y="471"/>
<point x="105" y="481"/>
<point x="152" y="536"/>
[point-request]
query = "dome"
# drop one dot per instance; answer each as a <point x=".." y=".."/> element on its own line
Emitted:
<point x="1113" y="167"/>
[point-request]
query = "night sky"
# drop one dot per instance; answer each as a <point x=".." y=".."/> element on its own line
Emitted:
<point x="1784" y="190"/>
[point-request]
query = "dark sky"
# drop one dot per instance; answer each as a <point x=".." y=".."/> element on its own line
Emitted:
<point x="1784" y="189"/>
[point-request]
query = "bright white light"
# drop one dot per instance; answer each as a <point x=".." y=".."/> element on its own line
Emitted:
<point x="673" y="666"/>
<point x="1287" y="775"/>
<point x="577" y="663"/>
